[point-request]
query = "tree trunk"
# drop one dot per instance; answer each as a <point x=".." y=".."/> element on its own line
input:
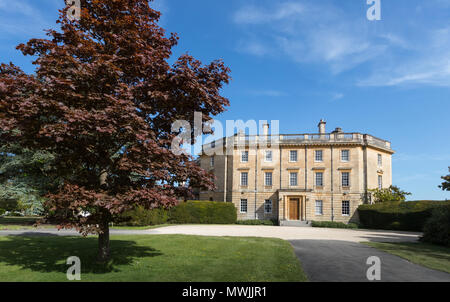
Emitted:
<point x="103" y="243"/>
<point x="103" y="236"/>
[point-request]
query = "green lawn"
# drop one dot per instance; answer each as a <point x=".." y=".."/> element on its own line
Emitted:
<point x="151" y="258"/>
<point x="432" y="256"/>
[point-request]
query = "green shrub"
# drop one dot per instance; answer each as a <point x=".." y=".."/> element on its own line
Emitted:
<point x="333" y="224"/>
<point x="404" y="216"/>
<point x="204" y="212"/>
<point x="258" y="222"/>
<point x="437" y="227"/>
<point x="143" y="217"/>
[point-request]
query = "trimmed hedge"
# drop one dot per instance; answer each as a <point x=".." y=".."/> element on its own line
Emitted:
<point x="258" y="222"/>
<point x="142" y="217"/>
<point x="437" y="227"/>
<point x="191" y="212"/>
<point x="403" y="216"/>
<point x="333" y="224"/>
<point x="204" y="212"/>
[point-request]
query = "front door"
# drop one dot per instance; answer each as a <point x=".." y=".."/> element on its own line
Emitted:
<point x="294" y="209"/>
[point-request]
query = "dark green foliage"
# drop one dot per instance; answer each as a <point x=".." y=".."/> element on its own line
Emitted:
<point x="142" y="217"/>
<point x="333" y="224"/>
<point x="404" y="216"/>
<point x="193" y="212"/>
<point x="446" y="184"/>
<point x="437" y="227"/>
<point x="258" y="222"/>
<point x="204" y="212"/>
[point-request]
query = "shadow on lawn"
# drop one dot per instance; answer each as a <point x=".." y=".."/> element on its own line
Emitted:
<point x="49" y="253"/>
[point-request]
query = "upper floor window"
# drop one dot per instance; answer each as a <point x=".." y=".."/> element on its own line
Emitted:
<point x="380" y="182"/>
<point x="346" y="208"/>
<point x="212" y="161"/>
<point x="345" y="155"/>
<point x="213" y="144"/>
<point x="380" y="160"/>
<point x="346" y="179"/>
<point x="244" y="179"/>
<point x="244" y="156"/>
<point x="293" y="179"/>
<point x="268" y="156"/>
<point x="268" y="206"/>
<point x="268" y="179"/>
<point x="319" y="207"/>
<point x="318" y="156"/>
<point x="293" y="156"/>
<point x="243" y="206"/>
<point x="319" y="179"/>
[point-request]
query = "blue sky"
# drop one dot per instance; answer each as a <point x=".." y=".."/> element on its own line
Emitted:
<point x="302" y="60"/>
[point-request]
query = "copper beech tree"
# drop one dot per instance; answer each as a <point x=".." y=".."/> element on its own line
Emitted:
<point x="102" y="101"/>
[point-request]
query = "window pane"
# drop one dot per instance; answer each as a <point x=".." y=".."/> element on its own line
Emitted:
<point x="345" y="155"/>
<point x="319" y="207"/>
<point x="268" y="206"/>
<point x="293" y="179"/>
<point x="319" y="155"/>
<point x="243" y="205"/>
<point x="346" y="208"/>
<point x="244" y="179"/>
<point x="268" y="178"/>
<point x="293" y="156"/>
<point x="269" y="156"/>
<point x="244" y="157"/>
<point x="380" y="182"/>
<point x="319" y="179"/>
<point x="345" y="179"/>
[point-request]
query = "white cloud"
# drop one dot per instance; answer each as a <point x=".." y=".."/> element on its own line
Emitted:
<point x="429" y="64"/>
<point x="254" y="15"/>
<point x="337" y="96"/>
<point x="19" y="17"/>
<point x="305" y="33"/>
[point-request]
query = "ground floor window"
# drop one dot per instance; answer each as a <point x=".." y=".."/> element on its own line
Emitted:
<point x="268" y="206"/>
<point x="243" y="205"/>
<point x="319" y="207"/>
<point x="346" y="208"/>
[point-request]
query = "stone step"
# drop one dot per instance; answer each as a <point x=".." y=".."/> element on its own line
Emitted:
<point x="295" y="223"/>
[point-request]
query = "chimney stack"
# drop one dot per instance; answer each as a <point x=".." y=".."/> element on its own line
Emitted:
<point x="321" y="125"/>
<point x="266" y="129"/>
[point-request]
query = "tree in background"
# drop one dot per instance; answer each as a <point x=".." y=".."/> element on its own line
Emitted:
<point x="392" y="193"/>
<point x="25" y="176"/>
<point x="446" y="184"/>
<point x="102" y="102"/>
